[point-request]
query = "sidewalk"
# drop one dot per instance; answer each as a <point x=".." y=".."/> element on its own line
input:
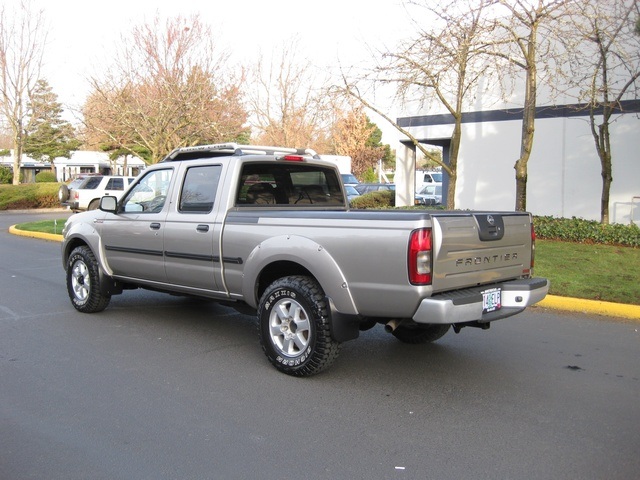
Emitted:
<point x="596" y="307"/>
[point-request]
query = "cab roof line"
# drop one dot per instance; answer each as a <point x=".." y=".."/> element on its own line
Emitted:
<point x="223" y="149"/>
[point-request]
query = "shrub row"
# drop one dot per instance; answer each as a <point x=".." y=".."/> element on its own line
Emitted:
<point x="586" y="231"/>
<point x="373" y="200"/>
<point x="28" y="196"/>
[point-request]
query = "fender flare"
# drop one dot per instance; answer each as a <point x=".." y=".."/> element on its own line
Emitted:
<point x="307" y="253"/>
<point x="87" y="235"/>
<point x="83" y="235"/>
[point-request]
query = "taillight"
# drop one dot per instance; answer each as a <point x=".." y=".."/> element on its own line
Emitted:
<point x="533" y="248"/>
<point x="420" y="257"/>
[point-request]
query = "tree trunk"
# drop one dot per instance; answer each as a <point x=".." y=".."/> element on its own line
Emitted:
<point x="528" y="126"/>
<point x="17" y="156"/>
<point x="453" y="163"/>
<point x="604" y="152"/>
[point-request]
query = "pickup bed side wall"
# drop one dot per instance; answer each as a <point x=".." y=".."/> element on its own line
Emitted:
<point x="360" y="258"/>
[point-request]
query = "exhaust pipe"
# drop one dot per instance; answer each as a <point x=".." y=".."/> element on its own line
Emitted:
<point x="391" y="325"/>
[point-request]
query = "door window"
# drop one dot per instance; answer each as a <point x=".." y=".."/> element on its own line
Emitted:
<point x="199" y="189"/>
<point x="150" y="193"/>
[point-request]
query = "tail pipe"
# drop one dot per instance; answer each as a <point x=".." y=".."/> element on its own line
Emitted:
<point x="391" y="325"/>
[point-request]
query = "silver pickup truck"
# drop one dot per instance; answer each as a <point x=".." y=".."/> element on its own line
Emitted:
<point x="268" y="230"/>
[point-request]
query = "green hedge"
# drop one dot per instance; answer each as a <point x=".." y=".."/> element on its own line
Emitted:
<point x="46" y="177"/>
<point x="29" y="195"/>
<point x="586" y="231"/>
<point x="6" y="175"/>
<point x="379" y="199"/>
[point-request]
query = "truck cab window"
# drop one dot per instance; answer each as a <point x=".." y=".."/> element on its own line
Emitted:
<point x="199" y="189"/>
<point x="289" y="184"/>
<point x="150" y="193"/>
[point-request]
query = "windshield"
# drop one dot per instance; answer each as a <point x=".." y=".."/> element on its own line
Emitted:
<point x="431" y="190"/>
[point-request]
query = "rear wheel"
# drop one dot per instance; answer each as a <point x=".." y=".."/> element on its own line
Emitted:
<point x="416" y="334"/>
<point x="294" y="330"/>
<point x="83" y="282"/>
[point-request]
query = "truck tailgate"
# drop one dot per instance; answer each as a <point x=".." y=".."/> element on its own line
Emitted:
<point x="478" y="248"/>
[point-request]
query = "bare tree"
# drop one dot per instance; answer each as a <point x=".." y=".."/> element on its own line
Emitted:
<point x="22" y="41"/>
<point x="288" y="101"/>
<point x="527" y="26"/>
<point x="606" y="68"/>
<point x="441" y="65"/>
<point x="169" y="87"/>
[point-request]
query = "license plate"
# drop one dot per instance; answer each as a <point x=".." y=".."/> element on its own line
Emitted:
<point x="491" y="300"/>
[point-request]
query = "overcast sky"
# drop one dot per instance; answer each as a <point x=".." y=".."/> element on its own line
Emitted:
<point x="82" y="33"/>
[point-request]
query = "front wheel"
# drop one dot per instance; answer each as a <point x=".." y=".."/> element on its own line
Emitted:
<point x="293" y="324"/>
<point x="420" y="333"/>
<point x="83" y="281"/>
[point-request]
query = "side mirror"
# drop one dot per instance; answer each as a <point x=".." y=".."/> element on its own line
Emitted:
<point x="108" y="204"/>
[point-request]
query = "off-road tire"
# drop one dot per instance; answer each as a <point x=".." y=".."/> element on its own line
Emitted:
<point x="416" y="334"/>
<point x="294" y="326"/>
<point x="83" y="281"/>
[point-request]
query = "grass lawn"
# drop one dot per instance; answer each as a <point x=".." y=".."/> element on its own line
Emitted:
<point x="595" y="272"/>
<point x="44" y="226"/>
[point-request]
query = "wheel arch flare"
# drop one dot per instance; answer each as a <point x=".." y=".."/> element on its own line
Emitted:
<point x="286" y="255"/>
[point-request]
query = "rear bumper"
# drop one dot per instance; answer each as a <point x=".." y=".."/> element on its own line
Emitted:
<point x="466" y="305"/>
<point x="71" y="205"/>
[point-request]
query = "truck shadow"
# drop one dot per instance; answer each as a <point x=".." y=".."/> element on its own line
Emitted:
<point x="469" y="360"/>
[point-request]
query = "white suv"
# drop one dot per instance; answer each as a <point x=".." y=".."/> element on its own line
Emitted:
<point x="85" y="193"/>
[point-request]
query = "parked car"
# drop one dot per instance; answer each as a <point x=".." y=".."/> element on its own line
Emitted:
<point x="423" y="177"/>
<point x="84" y="193"/>
<point x="351" y="192"/>
<point x="363" y="188"/>
<point x="349" y="179"/>
<point x="430" y="194"/>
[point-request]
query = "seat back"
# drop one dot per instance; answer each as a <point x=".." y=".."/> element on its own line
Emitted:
<point x="261" y="194"/>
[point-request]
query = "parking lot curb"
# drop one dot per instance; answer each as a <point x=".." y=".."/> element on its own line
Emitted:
<point x="44" y="236"/>
<point x="597" y="307"/>
<point x="581" y="305"/>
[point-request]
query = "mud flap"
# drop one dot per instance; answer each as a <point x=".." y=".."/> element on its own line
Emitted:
<point x="343" y="327"/>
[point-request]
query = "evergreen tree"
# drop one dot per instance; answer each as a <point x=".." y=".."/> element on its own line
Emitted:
<point x="47" y="135"/>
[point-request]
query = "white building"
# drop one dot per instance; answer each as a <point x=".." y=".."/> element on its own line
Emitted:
<point x="96" y="162"/>
<point x="81" y="161"/>
<point x="564" y="172"/>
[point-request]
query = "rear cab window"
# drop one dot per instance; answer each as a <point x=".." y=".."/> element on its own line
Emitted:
<point x="289" y="184"/>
